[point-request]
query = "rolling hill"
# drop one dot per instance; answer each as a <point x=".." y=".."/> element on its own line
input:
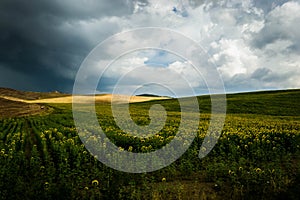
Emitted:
<point x="15" y="103"/>
<point x="277" y="102"/>
<point x="28" y="95"/>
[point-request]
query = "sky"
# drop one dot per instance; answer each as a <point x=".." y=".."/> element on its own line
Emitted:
<point x="253" y="44"/>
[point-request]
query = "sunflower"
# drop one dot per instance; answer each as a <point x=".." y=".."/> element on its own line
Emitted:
<point x="46" y="185"/>
<point x="258" y="170"/>
<point x="95" y="182"/>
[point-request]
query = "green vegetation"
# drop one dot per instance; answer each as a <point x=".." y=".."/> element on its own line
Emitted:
<point x="256" y="157"/>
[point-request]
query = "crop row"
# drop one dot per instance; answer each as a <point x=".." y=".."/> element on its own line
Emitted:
<point x="44" y="157"/>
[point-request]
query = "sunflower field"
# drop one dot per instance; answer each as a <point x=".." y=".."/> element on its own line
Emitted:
<point x="256" y="157"/>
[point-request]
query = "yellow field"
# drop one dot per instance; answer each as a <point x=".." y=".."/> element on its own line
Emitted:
<point x="88" y="99"/>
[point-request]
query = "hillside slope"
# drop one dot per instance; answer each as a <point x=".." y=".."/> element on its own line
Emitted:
<point x="276" y="103"/>
<point x="10" y="108"/>
<point x="26" y="95"/>
<point x="280" y="103"/>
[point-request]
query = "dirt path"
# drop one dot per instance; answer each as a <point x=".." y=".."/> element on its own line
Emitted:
<point x="13" y="99"/>
<point x="30" y="139"/>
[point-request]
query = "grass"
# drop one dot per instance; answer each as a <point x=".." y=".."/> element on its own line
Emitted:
<point x="276" y="103"/>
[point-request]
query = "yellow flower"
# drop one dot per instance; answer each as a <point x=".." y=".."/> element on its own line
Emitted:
<point x="46" y="185"/>
<point x="164" y="179"/>
<point x="95" y="182"/>
<point x="130" y="148"/>
<point x="258" y="170"/>
<point x="86" y="188"/>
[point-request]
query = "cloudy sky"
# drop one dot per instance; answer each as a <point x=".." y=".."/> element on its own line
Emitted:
<point x="253" y="44"/>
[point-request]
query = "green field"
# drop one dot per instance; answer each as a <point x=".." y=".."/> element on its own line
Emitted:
<point x="256" y="157"/>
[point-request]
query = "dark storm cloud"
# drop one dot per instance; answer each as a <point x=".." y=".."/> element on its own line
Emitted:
<point x="106" y="84"/>
<point x="64" y="9"/>
<point x="40" y="40"/>
<point x="260" y="73"/>
<point x="239" y="82"/>
<point x="281" y="24"/>
<point x="266" y="75"/>
<point x="262" y="78"/>
<point x="267" y="5"/>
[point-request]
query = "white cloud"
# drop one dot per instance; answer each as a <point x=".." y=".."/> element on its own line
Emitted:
<point x="242" y="39"/>
<point x="278" y="45"/>
<point x="234" y="57"/>
<point x="282" y="23"/>
<point x="132" y="73"/>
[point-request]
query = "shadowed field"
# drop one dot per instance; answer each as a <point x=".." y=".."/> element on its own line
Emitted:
<point x="10" y="108"/>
